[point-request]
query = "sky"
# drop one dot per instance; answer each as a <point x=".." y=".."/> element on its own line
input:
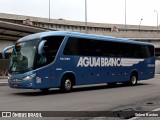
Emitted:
<point x="99" y="11"/>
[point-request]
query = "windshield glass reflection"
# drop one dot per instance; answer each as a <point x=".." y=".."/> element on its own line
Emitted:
<point x="23" y="55"/>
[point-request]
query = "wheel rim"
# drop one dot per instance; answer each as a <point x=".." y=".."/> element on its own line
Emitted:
<point x="134" y="80"/>
<point x="68" y="84"/>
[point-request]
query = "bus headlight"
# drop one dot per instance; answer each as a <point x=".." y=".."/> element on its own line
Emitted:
<point x="29" y="77"/>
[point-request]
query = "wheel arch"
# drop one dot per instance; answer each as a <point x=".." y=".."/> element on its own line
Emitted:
<point x="134" y="72"/>
<point x="71" y="75"/>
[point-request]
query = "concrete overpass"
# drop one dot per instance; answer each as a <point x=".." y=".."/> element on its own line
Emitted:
<point x="13" y="27"/>
<point x="9" y="32"/>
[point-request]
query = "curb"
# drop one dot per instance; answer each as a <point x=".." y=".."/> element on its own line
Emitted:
<point x="3" y="81"/>
<point x="3" y="77"/>
<point x="3" y="84"/>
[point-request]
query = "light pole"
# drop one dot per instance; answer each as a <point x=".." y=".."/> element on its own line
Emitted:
<point x="125" y="18"/>
<point x="86" y="16"/>
<point x="140" y="23"/>
<point x="125" y="14"/>
<point x="49" y="11"/>
<point x="157" y="18"/>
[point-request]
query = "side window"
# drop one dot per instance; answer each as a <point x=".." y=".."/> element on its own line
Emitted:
<point x="151" y="50"/>
<point x="51" y="48"/>
<point x="147" y="51"/>
<point x="78" y="46"/>
<point x="71" y="47"/>
<point x="89" y="47"/>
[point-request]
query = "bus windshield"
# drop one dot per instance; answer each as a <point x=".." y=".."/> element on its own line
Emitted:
<point x="22" y="58"/>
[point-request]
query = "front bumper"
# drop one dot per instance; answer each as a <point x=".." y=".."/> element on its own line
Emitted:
<point x="26" y="84"/>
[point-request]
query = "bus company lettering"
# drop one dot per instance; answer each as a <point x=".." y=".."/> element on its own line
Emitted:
<point x="98" y="62"/>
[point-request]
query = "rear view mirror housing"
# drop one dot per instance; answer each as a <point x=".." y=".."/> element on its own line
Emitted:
<point x="41" y="46"/>
<point x="6" y="49"/>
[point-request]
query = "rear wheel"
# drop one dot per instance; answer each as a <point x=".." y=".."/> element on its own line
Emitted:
<point x="67" y="84"/>
<point x="133" y="79"/>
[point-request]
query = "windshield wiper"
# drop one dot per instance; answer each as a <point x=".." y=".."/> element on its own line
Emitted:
<point x="20" y="71"/>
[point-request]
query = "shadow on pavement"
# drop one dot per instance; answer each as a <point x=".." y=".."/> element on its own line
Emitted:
<point x="75" y="89"/>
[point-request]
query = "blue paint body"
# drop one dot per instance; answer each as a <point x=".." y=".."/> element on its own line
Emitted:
<point x="50" y="76"/>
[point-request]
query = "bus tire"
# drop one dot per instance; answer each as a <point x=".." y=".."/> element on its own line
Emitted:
<point x="133" y="79"/>
<point x="66" y="84"/>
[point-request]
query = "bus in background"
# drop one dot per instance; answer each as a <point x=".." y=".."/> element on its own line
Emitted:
<point x="59" y="59"/>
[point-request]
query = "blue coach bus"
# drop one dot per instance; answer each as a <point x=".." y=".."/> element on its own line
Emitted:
<point x="62" y="60"/>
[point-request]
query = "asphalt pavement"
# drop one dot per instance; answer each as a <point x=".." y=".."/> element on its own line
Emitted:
<point x="143" y="97"/>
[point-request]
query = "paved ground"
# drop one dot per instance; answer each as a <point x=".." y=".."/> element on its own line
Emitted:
<point x="143" y="97"/>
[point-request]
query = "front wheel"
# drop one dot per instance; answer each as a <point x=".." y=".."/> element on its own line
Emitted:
<point x="67" y="84"/>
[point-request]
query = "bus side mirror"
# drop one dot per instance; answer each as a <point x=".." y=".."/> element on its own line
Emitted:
<point x="6" y="49"/>
<point x="41" y="46"/>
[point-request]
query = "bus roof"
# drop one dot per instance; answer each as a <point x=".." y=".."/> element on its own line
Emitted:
<point x="79" y="35"/>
